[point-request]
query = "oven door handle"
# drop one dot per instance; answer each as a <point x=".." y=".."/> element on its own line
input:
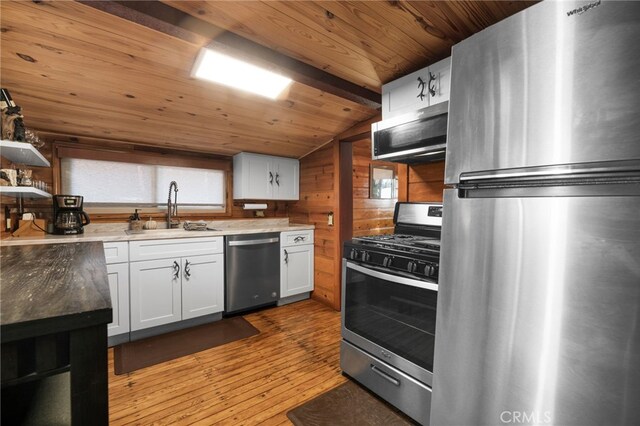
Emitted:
<point x="385" y="375"/>
<point x="394" y="278"/>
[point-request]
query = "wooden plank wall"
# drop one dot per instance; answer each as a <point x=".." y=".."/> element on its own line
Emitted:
<point x="318" y="197"/>
<point x="426" y="182"/>
<point x="370" y="216"/>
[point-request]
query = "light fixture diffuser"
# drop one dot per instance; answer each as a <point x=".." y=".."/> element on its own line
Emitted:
<point x="219" y="68"/>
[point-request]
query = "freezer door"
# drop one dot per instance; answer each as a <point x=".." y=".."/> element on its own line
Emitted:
<point x="538" y="316"/>
<point x="547" y="86"/>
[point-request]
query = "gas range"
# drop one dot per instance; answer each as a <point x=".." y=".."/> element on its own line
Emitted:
<point x="389" y="295"/>
<point x="413" y="250"/>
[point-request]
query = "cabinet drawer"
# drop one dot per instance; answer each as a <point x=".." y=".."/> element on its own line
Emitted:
<point x="162" y="249"/>
<point x="296" y="238"/>
<point x="116" y="252"/>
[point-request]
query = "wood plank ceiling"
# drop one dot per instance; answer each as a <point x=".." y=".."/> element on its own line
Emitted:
<point x="81" y="72"/>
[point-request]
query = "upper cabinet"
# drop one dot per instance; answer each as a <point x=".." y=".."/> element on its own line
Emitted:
<point x="265" y="177"/>
<point x="420" y="89"/>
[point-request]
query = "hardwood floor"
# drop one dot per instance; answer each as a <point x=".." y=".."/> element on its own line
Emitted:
<point x="252" y="381"/>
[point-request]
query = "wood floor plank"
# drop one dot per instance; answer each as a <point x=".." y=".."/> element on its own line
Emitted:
<point x="215" y="392"/>
<point x="254" y="381"/>
<point x="240" y="365"/>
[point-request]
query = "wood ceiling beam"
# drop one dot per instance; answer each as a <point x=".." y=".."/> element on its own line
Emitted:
<point x="166" y="19"/>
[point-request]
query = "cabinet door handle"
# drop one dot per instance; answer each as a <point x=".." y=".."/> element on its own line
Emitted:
<point x="176" y="270"/>
<point x="432" y="89"/>
<point x="187" y="272"/>
<point x="271" y="178"/>
<point x="286" y="256"/>
<point x="277" y="179"/>
<point x="298" y="239"/>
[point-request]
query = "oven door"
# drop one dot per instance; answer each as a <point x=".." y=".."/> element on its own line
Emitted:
<point x="391" y="317"/>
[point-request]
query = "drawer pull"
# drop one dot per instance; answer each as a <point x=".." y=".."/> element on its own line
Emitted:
<point x="385" y="375"/>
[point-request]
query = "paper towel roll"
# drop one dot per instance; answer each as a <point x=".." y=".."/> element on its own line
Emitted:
<point x="255" y="206"/>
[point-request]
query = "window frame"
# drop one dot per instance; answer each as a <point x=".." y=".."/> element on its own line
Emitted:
<point x="168" y="158"/>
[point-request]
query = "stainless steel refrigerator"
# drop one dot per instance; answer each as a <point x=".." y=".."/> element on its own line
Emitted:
<point x="539" y="303"/>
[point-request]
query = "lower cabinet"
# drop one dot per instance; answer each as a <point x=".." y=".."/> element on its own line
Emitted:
<point x="117" y="258"/>
<point x="296" y="275"/>
<point x="175" y="288"/>
<point x="156" y="288"/>
<point x="296" y="263"/>
<point x="118" y="274"/>
<point x="202" y="285"/>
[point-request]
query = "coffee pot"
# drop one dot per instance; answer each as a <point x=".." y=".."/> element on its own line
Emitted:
<point x="68" y="216"/>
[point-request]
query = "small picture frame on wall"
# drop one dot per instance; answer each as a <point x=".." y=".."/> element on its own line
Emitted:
<point x="383" y="182"/>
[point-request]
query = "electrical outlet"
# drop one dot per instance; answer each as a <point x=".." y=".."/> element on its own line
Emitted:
<point x="259" y="213"/>
<point x="330" y="219"/>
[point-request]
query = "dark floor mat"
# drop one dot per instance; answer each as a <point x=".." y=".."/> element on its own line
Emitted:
<point x="349" y="405"/>
<point x="154" y="350"/>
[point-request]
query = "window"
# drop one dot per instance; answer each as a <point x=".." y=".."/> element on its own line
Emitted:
<point x="383" y="182"/>
<point x="113" y="183"/>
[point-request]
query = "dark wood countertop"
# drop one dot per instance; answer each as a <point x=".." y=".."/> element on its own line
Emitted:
<point x="52" y="288"/>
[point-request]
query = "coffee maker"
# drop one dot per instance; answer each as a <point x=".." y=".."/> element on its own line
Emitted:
<point x="68" y="216"/>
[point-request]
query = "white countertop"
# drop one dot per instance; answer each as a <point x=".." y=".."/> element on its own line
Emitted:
<point x="117" y="232"/>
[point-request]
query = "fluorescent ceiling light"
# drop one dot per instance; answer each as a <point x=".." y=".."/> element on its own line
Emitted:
<point x="223" y="69"/>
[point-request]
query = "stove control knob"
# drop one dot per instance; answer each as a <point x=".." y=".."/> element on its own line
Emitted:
<point x="354" y="254"/>
<point x="428" y="270"/>
<point x="412" y="266"/>
<point x="365" y="256"/>
<point x="387" y="261"/>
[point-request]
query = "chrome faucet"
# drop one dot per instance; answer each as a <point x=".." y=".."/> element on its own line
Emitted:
<point x="172" y="208"/>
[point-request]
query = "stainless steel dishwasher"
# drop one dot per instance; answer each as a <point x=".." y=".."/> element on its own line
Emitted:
<point x="252" y="266"/>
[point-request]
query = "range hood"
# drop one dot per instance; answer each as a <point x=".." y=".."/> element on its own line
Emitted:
<point x="417" y="137"/>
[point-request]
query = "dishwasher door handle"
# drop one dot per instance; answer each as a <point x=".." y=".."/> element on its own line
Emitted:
<point x="253" y="242"/>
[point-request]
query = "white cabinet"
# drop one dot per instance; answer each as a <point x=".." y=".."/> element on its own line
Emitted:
<point x="117" y="259"/>
<point x="296" y="260"/>
<point x="173" y="280"/>
<point x="118" y="275"/>
<point x="156" y="288"/>
<point x="442" y="84"/>
<point x="265" y="177"/>
<point x="420" y="89"/>
<point x="199" y="297"/>
<point x="287" y="179"/>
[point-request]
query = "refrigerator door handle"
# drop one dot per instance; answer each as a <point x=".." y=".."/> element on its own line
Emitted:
<point x="561" y="171"/>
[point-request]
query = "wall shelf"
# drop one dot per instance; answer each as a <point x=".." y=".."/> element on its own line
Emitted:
<point x="23" y="153"/>
<point x="23" y="191"/>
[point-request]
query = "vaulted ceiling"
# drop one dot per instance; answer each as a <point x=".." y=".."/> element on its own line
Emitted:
<point x="120" y="71"/>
